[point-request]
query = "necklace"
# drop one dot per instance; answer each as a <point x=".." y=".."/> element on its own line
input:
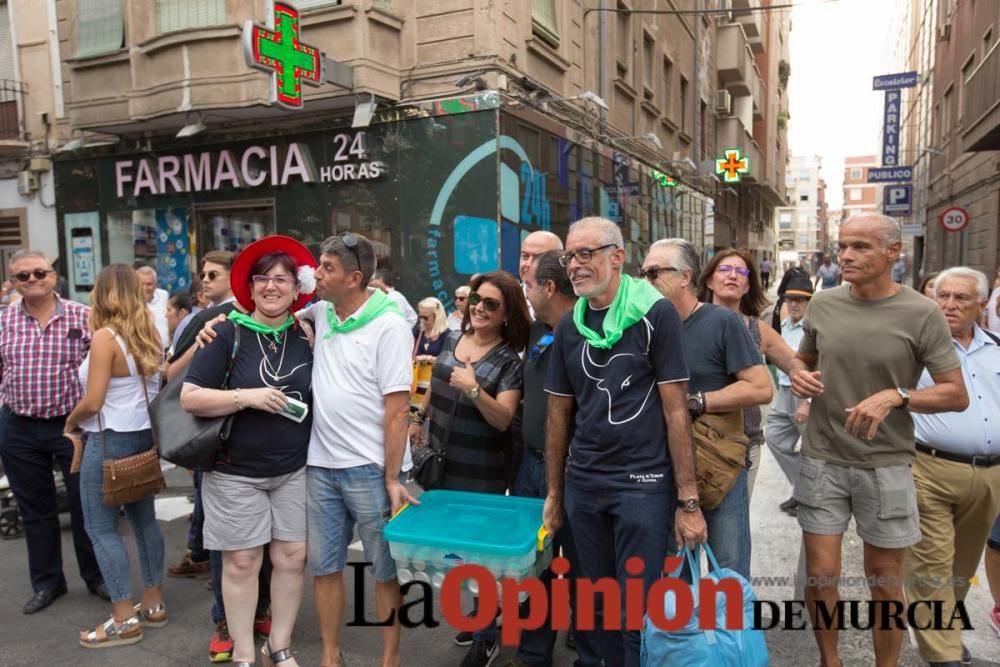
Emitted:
<point x="697" y="305"/>
<point x="266" y="368"/>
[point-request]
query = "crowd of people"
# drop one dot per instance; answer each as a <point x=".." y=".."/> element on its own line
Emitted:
<point x="601" y="393"/>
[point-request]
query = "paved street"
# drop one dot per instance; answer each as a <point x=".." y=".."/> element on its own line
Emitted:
<point x="49" y="638"/>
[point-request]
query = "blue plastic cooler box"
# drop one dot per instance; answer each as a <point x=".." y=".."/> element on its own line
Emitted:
<point x="504" y="534"/>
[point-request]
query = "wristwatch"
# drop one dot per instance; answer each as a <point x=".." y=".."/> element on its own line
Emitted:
<point x="905" y="395"/>
<point x="689" y="504"/>
<point x="696" y="404"/>
<point x="473" y="394"/>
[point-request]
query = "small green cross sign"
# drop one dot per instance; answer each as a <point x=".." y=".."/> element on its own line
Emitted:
<point x="281" y="53"/>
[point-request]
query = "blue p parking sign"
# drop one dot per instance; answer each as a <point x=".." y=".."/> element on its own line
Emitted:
<point x="898" y="200"/>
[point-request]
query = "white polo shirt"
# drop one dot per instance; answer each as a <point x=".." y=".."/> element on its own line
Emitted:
<point x="351" y="374"/>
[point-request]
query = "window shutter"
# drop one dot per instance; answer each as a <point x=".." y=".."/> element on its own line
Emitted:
<point x="543" y="21"/>
<point x="101" y="28"/>
<point x="173" y="15"/>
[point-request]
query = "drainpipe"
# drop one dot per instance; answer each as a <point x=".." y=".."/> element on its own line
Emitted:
<point x="696" y="144"/>
<point x="602" y="77"/>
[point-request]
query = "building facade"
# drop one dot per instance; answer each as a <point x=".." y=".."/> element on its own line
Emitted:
<point x="489" y="121"/>
<point x="860" y="196"/>
<point x="801" y="224"/>
<point x="32" y="123"/>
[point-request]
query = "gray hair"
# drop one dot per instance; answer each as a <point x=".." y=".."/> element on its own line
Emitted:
<point x="146" y="271"/>
<point x="982" y="283"/>
<point x="888" y="229"/>
<point x="611" y="233"/>
<point x="28" y="254"/>
<point x="335" y="246"/>
<point x="464" y="290"/>
<point x="685" y="255"/>
<point x="548" y="268"/>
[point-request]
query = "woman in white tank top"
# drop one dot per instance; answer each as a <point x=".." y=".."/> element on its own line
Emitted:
<point x="120" y="371"/>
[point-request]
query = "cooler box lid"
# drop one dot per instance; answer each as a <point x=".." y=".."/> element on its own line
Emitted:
<point x="467" y="521"/>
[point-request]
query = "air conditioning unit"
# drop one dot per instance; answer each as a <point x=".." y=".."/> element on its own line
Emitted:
<point x="27" y="182"/>
<point x="723" y="102"/>
<point x="944" y="32"/>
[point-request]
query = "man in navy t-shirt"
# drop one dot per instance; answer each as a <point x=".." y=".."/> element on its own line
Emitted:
<point x="618" y="360"/>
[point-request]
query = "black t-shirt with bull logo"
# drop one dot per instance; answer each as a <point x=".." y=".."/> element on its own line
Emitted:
<point x="620" y="438"/>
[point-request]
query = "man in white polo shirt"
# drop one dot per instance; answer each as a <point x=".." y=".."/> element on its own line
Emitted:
<point x="362" y="370"/>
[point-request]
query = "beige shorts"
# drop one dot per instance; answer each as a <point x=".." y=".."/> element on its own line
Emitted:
<point x="247" y="512"/>
<point x="882" y="500"/>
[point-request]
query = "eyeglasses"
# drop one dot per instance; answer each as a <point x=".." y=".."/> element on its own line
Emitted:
<point x="280" y="280"/>
<point x="460" y="297"/>
<point x="351" y="243"/>
<point x="39" y="274"/>
<point x="491" y="305"/>
<point x="729" y="268"/>
<point x="209" y="275"/>
<point x="653" y="272"/>
<point x="584" y="255"/>
<point x="535" y="353"/>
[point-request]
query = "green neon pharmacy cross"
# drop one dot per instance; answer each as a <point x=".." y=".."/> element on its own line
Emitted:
<point x="281" y="51"/>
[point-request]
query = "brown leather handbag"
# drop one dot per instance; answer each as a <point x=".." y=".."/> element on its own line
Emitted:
<point x="131" y="478"/>
<point x="720" y="455"/>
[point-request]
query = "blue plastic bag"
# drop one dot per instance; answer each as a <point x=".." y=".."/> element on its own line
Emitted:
<point x="693" y="647"/>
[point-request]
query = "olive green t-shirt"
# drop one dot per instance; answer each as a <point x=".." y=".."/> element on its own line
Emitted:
<point x="865" y="346"/>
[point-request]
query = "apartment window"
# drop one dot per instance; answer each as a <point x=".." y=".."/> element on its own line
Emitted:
<point x="647" y="65"/>
<point x="624" y="35"/>
<point x="543" y="21"/>
<point x="100" y="27"/>
<point x="856" y="173"/>
<point x="804" y="196"/>
<point x="684" y="104"/>
<point x="173" y="15"/>
<point x="668" y="83"/>
<point x="805" y="174"/>
<point x="855" y="194"/>
<point x="312" y="4"/>
<point x="967" y="68"/>
<point x="6" y="50"/>
<point x="946" y="112"/>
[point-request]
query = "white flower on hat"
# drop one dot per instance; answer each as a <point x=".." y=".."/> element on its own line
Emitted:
<point x="307" y="279"/>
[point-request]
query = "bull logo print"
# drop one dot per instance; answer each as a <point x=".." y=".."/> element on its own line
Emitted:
<point x="615" y="378"/>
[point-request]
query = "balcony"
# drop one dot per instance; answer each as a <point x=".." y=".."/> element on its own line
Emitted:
<point x="160" y="76"/>
<point x="735" y="64"/>
<point x="13" y="139"/>
<point x="982" y="105"/>
<point x="751" y="21"/>
<point x="758" y="91"/>
<point x="731" y="133"/>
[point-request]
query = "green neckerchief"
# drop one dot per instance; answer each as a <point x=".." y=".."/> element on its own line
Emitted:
<point x="377" y="304"/>
<point x="253" y="325"/>
<point x="632" y="301"/>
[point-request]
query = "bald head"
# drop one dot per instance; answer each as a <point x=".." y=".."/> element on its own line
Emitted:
<point x="885" y="228"/>
<point x="534" y="244"/>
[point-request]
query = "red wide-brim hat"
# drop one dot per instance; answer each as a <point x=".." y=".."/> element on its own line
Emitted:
<point x="239" y="275"/>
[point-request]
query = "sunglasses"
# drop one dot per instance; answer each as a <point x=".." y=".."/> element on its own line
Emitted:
<point x="729" y="268"/>
<point x="351" y="243"/>
<point x="460" y="298"/>
<point x="39" y="274"/>
<point x="209" y="275"/>
<point x="491" y="305"/>
<point x="279" y="281"/>
<point x="653" y="272"/>
<point x="426" y="318"/>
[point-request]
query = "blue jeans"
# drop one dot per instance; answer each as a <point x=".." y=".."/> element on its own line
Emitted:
<point x="101" y="521"/>
<point x="994" y="540"/>
<point x="536" y="646"/>
<point x="729" y="528"/>
<point x="610" y="527"/>
<point x="196" y="543"/>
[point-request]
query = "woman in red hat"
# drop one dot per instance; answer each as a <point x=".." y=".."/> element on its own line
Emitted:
<point x="255" y="494"/>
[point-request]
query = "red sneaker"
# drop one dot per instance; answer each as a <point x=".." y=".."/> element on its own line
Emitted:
<point x="220" y="648"/>
<point x="995" y="620"/>
<point x="262" y="626"/>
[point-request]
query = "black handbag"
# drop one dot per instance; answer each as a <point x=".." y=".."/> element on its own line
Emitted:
<point x="428" y="467"/>
<point x="184" y="439"/>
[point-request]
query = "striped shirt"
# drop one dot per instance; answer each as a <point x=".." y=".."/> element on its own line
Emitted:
<point x="39" y="366"/>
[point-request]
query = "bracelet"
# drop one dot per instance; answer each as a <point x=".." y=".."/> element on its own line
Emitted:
<point x="236" y="399"/>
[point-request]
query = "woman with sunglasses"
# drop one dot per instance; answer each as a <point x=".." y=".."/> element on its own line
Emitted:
<point x="429" y="336"/>
<point x="456" y="316"/>
<point x="730" y="280"/>
<point x="255" y="494"/>
<point x="474" y="393"/>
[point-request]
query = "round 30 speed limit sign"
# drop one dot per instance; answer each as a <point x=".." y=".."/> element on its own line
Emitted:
<point x="954" y="219"/>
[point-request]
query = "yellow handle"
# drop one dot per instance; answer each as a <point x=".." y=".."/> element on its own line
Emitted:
<point x="542" y="536"/>
<point x="400" y="511"/>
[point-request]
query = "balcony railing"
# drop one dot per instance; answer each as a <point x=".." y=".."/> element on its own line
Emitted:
<point x="734" y="63"/>
<point x="11" y="102"/>
<point x="982" y="104"/>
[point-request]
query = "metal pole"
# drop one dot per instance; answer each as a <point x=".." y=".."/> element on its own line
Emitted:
<point x="602" y="33"/>
<point x="696" y="144"/>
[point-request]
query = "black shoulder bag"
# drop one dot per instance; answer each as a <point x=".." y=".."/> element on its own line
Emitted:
<point x="184" y="439"/>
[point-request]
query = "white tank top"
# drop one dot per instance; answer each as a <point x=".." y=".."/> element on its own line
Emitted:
<point x="124" y="406"/>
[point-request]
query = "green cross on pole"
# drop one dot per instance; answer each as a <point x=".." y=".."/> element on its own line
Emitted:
<point x="281" y="52"/>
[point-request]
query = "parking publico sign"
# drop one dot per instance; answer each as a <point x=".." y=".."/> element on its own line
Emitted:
<point x="954" y="219"/>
